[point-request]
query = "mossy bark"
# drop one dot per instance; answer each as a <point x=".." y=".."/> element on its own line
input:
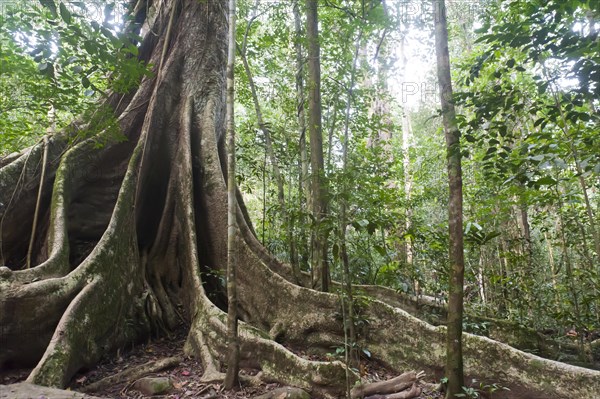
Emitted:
<point x="135" y="239"/>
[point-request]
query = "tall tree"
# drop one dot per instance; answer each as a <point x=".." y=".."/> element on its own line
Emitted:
<point x="304" y="179"/>
<point x="454" y="355"/>
<point x="233" y="355"/>
<point x="320" y="264"/>
<point x="279" y="179"/>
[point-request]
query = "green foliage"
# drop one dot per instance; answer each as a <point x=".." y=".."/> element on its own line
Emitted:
<point x="528" y="92"/>
<point x="475" y="327"/>
<point x="530" y="96"/>
<point x="57" y="61"/>
<point x="480" y="390"/>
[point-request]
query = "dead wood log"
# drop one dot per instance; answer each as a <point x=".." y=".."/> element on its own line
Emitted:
<point x="391" y="386"/>
<point x="412" y="393"/>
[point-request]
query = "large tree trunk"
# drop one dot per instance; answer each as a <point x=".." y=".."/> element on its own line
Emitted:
<point x="129" y="236"/>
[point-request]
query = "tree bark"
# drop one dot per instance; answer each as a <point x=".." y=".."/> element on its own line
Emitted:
<point x="233" y="352"/>
<point x="350" y="349"/>
<point x="407" y="135"/>
<point x="304" y="179"/>
<point x="320" y="264"/>
<point x="454" y="355"/>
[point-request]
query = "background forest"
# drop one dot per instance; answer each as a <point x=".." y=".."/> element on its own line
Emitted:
<point x="526" y="78"/>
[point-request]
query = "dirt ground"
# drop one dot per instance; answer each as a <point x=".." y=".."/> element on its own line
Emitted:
<point x="185" y="376"/>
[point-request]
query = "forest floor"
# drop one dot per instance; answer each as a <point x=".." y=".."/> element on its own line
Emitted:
<point x="185" y="376"/>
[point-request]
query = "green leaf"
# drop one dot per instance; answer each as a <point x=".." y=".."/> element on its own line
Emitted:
<point x="363" y="223"/>
<point x="335" y="251"/>
<point x="380" y="250"/>
<point x="545" y="181"/>
<point x="49" y="4"/>
<point x="484" y="38"/>
<point x="584" y="116"/>
<point x="90" y="47"/>
<point x="537" y="158"/>
<point x="65" y="14"/>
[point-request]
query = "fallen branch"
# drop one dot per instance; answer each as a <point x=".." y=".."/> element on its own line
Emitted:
<point x="134" y="373"/>
<point x="412" y="393"/>
<point x="391" y="386"/>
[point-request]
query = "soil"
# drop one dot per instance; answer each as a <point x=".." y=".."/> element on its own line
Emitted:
<point x="185" y="377"/>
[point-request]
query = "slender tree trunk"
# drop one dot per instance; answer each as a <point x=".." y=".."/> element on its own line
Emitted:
<point x="589" y="212"/>
<point x="582" y="183"/>
<point x="408" y="181"/>
<point x="525" y="227"/>
<point x="454" y="358"/>
<point x="350" y="349"/>
<point x="332" y="120"/>
<point x="37" y="205"/>
<point x="553" y="272"/>
<point x="304" y="179"/>
<point x="481" y="277"/>
<point x="505" y="300"/>
<point x="267" y="134"/>
<point x="287" y="226"/>
<point x="233" y="355"/>
<point x="571" y="280"/>
<point x="319" y="189"/>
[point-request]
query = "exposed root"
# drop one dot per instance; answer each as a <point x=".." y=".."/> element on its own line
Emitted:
<point x="197" y="346"/>
<point x="134" y="373"/>
<point x="24" y="390"/>
<point x="301" y="315"/>
<point x="83" y="334"/>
